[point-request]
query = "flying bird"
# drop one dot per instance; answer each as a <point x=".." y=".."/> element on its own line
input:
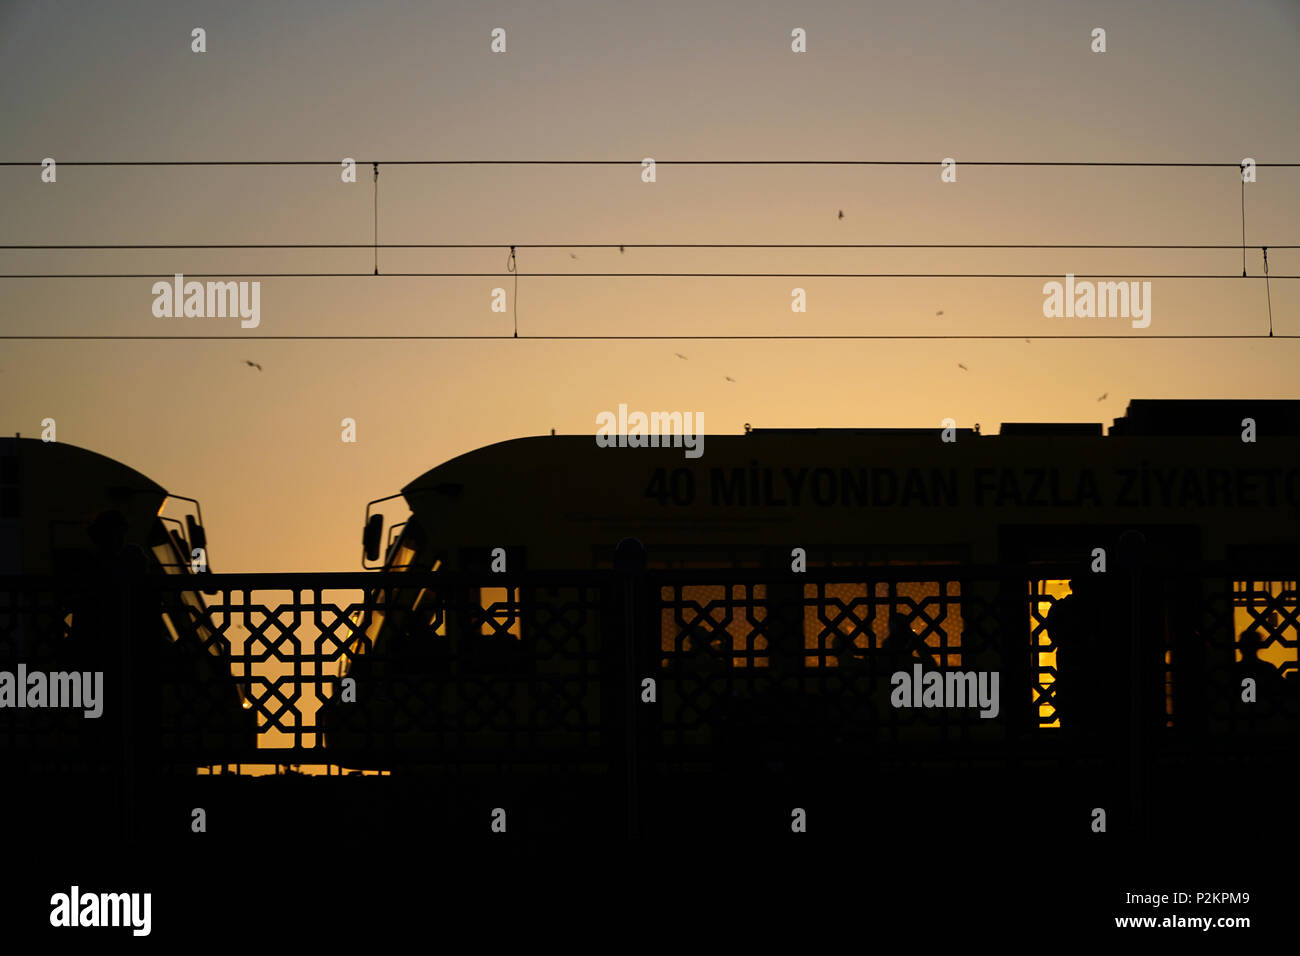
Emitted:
<point x="841" y="213"/>
<point x="962" y="367"/>
<point x="680" y="355"/>
<point x="572" y="256"/>
<point x="940" y="312"/>
<point x="253" y="364"/>
<point x="1103" y="395"/>
<point x="728" y="378"/>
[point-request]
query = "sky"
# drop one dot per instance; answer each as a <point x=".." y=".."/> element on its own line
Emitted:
<point x="1184" y="81"/>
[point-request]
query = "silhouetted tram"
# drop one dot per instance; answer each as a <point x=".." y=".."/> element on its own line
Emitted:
<point x="769" y="592"/>
<point x="87" y="533"/>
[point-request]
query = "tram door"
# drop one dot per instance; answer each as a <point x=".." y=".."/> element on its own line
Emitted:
<point x="1096" y="615"/>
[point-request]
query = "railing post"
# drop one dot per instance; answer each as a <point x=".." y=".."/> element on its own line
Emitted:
<point x="128" y="571"/>
<point x="1132" y="547"/>
<point x="629" y="562"/>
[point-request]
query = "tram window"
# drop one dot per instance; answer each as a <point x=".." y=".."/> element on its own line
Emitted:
<point x="1268" y="608"/>
<point x="708" y="625"/>
<point x="835" y="628"/>
<point x="402" y="557"/>
<point x="429" y="610"/>
<point x="408" y="552"/>
<point x="705" y="622"/>
<point x="501" y="611"/>
<point x="719" y="622"/>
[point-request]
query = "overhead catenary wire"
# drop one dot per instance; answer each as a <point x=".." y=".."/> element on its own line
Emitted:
<point x="1243" y="221"/>
<point x="646" y="338"/>
<point x="635" y="275"/>
<point x="1268" y="292"/>
<point x="512" y="266"/>
<point x="36" y="247"/>
<point x="658" y="162"/>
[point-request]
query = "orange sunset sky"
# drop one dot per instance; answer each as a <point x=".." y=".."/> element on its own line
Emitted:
<point x="1186" y="81"/>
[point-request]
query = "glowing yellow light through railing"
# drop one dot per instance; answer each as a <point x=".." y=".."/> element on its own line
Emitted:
<point x="1046" y="592"/>
<point x="1266" y="606"/>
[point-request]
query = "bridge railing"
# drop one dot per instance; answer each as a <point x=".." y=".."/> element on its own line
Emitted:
<point x="660" y="668"/>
